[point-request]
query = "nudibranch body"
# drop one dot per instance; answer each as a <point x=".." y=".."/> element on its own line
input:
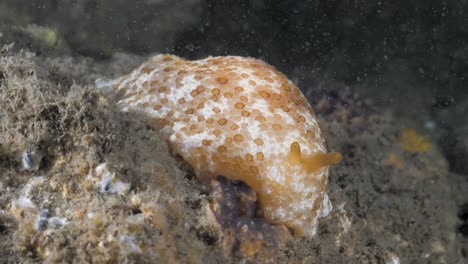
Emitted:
<point x="240" y="118"/>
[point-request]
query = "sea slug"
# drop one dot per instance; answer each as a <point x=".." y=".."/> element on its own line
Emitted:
<point x="240" y="118"/>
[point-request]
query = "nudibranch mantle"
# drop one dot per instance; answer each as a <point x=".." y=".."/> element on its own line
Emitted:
<point x="240" y="118"/>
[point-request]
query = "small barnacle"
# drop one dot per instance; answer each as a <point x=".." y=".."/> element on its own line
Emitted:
<point x="45" y="221"/>
<point x="106" y="181"/>
<point x="131" y="243"/>
<point x="41" y="224"/>
<point x="56" y="222"/>
<point x="136" y="200"/>
<point x="106" y="186"/>
<point x="42" y="221"/>
<point x="31" y="159"/>
<point x="45" y="213"/>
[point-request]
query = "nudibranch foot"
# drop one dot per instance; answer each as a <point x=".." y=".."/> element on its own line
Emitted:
<point x="244" y="234"/>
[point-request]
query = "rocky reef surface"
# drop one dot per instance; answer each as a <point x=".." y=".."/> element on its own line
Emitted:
<point x="84" y="182"/>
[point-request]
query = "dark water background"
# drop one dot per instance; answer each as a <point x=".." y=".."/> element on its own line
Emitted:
<point x="349" y="39"/>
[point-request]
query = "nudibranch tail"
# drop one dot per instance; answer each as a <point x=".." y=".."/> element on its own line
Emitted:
<point x="314" y="161"/>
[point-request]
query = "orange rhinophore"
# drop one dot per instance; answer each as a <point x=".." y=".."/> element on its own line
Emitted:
<point x="240" y="118"/>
